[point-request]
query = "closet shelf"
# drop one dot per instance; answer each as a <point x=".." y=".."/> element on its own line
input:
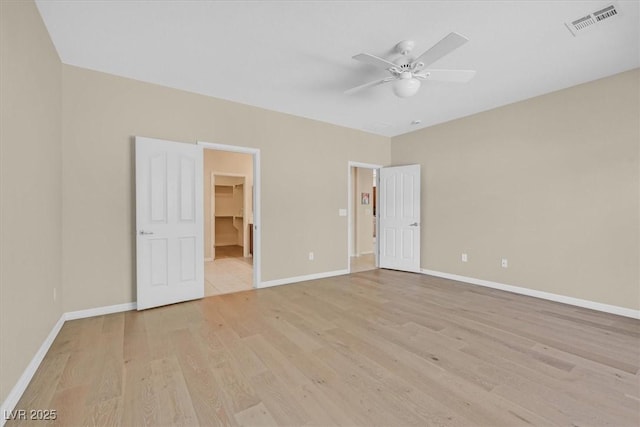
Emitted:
<point x="228" y="212"/>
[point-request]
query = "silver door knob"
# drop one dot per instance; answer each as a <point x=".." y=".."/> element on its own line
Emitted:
<point x="145" y="233"/>
<point x="415" y="224"/>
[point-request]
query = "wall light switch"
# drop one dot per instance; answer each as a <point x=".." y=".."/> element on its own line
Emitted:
<point x="505" y="263"/>
<point x="311" y="256"/>
<point x="342" y="212"/>
<point x="465" y="258"/>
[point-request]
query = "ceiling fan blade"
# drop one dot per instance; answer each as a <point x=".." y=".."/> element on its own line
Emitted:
<point x="445" y="46"/>
<point x="368" y="85"/>
<point x="455" y="76"/>
<point x="373" y="60"/>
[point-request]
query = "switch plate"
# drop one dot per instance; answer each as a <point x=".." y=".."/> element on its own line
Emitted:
<point x="311" y="256"/>
<point x="465" y="258"/>
<point x="505" y="263"/>
<point x="342" y="212"/>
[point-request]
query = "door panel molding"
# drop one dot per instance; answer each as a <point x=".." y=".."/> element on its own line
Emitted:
<point x="169" y="222"/>
<point x="399" y="218"/>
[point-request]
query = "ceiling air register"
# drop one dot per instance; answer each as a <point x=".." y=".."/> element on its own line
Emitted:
<point x="590" y="20"/>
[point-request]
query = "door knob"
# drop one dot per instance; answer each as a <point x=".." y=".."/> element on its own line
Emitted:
<point x="145" y="233"/>
<point x="415" y="224"/>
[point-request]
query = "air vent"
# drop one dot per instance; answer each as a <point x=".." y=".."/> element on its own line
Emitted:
<point x="582" y="23"/>
<point x="605" y="13"/>
<point x="588" y="21"/>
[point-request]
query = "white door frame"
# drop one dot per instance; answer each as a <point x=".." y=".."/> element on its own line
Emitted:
<point x="350" y="202"/>
<point x="255" y="152"/>
<point x="212" y="219"/>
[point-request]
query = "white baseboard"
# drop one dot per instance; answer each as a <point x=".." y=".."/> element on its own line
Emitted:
<point x="613" y="309"/>
<point x="99" y="311"/>
<point x="14" y="396"/>
<point x="16" y="392"/>
<point x="296" y="279"/>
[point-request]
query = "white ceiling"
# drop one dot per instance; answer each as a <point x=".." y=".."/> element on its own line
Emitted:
<point x="295" y="57"/>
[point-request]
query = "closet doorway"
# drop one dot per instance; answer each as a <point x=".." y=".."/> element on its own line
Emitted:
<point x="229" y="221"/>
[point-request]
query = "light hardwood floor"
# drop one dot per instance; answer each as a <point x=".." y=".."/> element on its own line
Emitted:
<point x="378" y="348"/>
<point x="363" y="263"/>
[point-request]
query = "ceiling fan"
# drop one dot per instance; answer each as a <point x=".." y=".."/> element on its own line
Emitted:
<point x="407" y="71"/>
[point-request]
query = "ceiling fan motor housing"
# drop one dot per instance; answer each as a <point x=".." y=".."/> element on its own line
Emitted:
<point x="403" y="64"/>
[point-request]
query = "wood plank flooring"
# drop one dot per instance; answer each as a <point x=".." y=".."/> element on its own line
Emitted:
<point x="362" y="263"/>
<point x="377" y="348"/>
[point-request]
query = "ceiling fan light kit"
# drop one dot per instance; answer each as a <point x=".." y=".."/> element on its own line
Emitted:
<point x="406" y="85"/>
<point x="406" y="71"/>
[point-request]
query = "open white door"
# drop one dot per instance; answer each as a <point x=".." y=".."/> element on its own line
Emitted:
<point x="399" y="218"/>
<point x="169" y="222"/>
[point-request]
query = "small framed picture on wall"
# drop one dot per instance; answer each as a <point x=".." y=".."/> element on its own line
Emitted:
<point x="364" y="199"/>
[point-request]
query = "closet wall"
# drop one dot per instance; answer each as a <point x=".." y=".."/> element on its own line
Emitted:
<point x="224" y="162"/>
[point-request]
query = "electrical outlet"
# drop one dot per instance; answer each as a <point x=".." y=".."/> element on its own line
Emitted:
<point x="465" y="258"/>
<point x="505" y="263"/>
<point x="310" y="256"/>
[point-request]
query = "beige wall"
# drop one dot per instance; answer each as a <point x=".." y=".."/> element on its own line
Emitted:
<point x="364" y="213"/>
<point x="232" y="163"/>
<point x="551" y="183"/>
<point x="304" y="178"/>
<point x="30" y="188"/>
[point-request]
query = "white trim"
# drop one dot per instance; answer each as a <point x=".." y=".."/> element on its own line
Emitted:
<point x="607" y="308"/>
<point x="208" y="259"/>
<point x="16" y="392"/>
<point x="257" y="230"/>
<point x="296" y="279"/>
<point x="351" y="201"/>
<point x="364" y="165"/>
<point x="226" y="147"/>
<point x="99" y="311"/>
<point x="14" y="396"/>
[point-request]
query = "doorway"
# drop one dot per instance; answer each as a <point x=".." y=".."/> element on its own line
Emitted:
<point x="363" y="197"/>
<point x="230" y="219"/>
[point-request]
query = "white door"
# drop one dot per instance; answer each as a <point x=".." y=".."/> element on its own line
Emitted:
<point x="169" y="222"/>
<point x="399" y="217"/>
